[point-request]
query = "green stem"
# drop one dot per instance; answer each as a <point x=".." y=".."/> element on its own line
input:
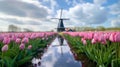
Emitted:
<point x="2" y="60"/>
<point x="117" y="47"/>
<point x="102" y="65"/>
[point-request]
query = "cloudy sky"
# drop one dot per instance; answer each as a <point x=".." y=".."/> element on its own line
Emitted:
<point x="36" y="14"/>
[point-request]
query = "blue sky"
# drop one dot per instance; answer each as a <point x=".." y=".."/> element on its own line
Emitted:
<point x="36" y="14"/>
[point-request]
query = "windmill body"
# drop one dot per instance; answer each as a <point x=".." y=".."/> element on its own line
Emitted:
<point x="60" y="27"/>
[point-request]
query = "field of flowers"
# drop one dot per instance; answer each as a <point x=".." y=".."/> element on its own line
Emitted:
<point x="17" y="49"/>
<point x="95" y="49"/>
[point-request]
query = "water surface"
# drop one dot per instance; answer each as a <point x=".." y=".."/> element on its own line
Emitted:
<point x="59" y="56"/>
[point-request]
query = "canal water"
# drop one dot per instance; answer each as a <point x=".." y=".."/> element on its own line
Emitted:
<point x="59" y="56"/>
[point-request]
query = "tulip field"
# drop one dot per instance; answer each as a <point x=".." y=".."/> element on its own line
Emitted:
<point x="95" y="49"/>
<point x="18" y="49"/>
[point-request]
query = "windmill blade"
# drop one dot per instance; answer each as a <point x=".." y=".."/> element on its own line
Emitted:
<point x="55" y="45"/>
<point x="65" y="18"/>
<point x="61" y="14"/>
<point x="61" y="50"/>
<point x="54" y="18"/>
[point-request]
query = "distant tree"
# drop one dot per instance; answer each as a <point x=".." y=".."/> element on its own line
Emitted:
<point x="113" y="28"/>
<point x="100" y="28"/>
<point x="27" y="30"/>
<point x="13" y="28"/>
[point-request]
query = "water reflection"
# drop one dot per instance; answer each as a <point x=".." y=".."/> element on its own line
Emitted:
<point x="54" y="58"/>
<point x="60" y="39"/>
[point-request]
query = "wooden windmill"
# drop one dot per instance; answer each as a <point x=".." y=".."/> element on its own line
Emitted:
<point x="60" y="26"/>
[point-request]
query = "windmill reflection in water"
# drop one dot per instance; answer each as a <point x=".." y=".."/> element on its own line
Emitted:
<point x="61" y="43"/>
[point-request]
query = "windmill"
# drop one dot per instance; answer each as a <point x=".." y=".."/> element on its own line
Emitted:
<point x="60" y="26"/>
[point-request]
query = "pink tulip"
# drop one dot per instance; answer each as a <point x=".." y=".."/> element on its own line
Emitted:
<point x="82" y="39"/>
<point x="27" y="35"/>
<point x="84" y="42"/>
<point x="104" y="42"/>
<point x="18" y="40"/>
<point x="90" y="35"/>
<point x="1" y="38"/>
<point x="4" y="48"/>
<point x="33" y="36"/>
<point x="117" y="37"/>
<point x="13" y="38"/>
<point x="30" y="46"/>
<point x="96" y="37"/>
<point x="6" y="40"/>
<point x="111" y="38"/>
<point x="93" y="41"/>
<point x="102" y="38"/>
<point x="22" y="46"/>
<point x="107" y="35"/>
<point x="25" y="40"/>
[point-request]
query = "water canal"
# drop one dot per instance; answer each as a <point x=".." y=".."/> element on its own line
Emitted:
<point x="59" y="56"/>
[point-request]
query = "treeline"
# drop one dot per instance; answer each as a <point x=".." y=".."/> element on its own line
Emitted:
<point x="99" y="28"/>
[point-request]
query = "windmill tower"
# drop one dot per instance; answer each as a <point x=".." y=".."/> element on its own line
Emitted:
<point x="60" y="26"/>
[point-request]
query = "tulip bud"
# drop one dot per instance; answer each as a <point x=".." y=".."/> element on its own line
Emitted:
<point x="93" y="41"/>
<point x="4" y="48"/>
<point x="111" y="38"/>
<point x="117" y="37"/>
<point x="6" y="40"/>
<point x="18" y="40"/>
<point x="1" y="38"/>
<point x="25" y="40"/>
<point x="84" y="42"/>
<point x="22" y="46"/>
<point x="30" y="46"/>
<point x="104" y="42"/>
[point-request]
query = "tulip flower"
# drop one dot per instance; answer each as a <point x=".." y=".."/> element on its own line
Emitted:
<point x="4" y="48"/>
<point x="111" y="38"/>
<point x="104" y="42"/>
<point x="117" y="37"/>
<point x="96" y="36"/>
<point x="1" y="38"/>
<point x="13" y="38"/>
<point x="6" y="40"/>
<point x="22" y="46"/>
<point x="18" y="40"/>
<point x="30" y="46"/>
<point x="84" y="41"/>
<point x="25" y="40"/>
<point x="33" y="36"/>
<point x="93" y="41"/>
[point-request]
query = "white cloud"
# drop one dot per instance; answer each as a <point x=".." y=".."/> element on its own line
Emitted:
<point x="51" y="4"/>
<point x="25" y="14"/>
<point x="35" y="2"/>
<point x="99" y="2"/>
<point x="18" y="19"/>
<point x="115" y="12"/>
<point x="36" y="15"/>
<point x="86" y="13"/>
<point x="23" y="9"/>
<point x="116" y="22"/>
<point x="115" y="8"/>
<point x="73" y="2"/>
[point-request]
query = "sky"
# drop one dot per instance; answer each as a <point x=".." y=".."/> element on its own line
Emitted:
<point x="36" y="14"/>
